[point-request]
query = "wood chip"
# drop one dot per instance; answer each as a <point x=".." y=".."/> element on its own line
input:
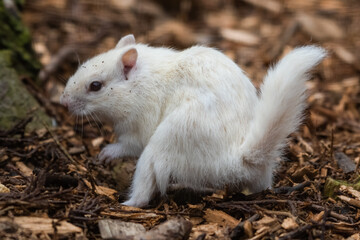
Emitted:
<point x="350" y="190"/>
<point x="289" y="224"/>
<point x="308" y="171"/>
<point x="173" y="32"/>
<point x="240" y="36"/>
<point x="101" y="190"/>
<point x="96" y="142"/>
<point x="344" y="54"/>
<point x="248" y="229"/>
<point x="355" y="236"/>
<point x="265" y="221"/>
<point x="24" y="169"/>
<point x="270" y="5"/>
<point x="174" y="229"/>
<point x="76" y="150"/>
<point x="136" y="216"/>
<point x="318" y="217"/>
<point x="220" y="217"/>
<point x="351" y="201"/>
<point x="4" y="189"/>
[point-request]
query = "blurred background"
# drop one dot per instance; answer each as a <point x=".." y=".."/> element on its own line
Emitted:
<point x="253" y="33"/>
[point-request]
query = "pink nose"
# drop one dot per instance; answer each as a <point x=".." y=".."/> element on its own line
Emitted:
<point x="64" y="101"/>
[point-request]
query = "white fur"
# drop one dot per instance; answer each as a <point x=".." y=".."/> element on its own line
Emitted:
<point x="193" y="117"/>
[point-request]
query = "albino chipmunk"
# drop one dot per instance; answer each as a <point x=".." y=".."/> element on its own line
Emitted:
<point x="192" y="117"/>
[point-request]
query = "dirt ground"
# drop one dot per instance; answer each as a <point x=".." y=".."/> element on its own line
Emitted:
<point x="50" y="189"/>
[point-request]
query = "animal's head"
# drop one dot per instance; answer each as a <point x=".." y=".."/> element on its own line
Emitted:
<point x="101" y="83"/>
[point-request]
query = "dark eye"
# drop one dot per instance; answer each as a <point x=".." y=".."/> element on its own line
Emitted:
<point x="95" y="86"/>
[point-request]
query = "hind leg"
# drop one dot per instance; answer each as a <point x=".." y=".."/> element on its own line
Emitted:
<point x="151" y="175"/>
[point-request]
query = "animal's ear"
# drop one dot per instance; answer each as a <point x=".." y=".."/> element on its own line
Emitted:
<point x="124" y="41"/>
<point x="129" y="60"/>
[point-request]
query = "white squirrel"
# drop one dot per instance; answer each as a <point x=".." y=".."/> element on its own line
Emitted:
<point x="193" y="116"/>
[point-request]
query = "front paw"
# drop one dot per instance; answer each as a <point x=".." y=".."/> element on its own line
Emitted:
<point x="109" y="153"/>
<point x="136" y="202"/>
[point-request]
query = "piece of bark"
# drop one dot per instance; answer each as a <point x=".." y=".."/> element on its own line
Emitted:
<point x="350" y="190"/>
<point x="114" y="228"/>
<point x="174" y="229"/>
<point x="351" y="201"/>
<point x="44" y="225"/>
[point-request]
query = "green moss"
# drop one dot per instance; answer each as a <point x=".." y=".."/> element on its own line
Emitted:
<point x="14" y="36"/>
<point x="17" y="103"/>
<point x="332" y="186"/>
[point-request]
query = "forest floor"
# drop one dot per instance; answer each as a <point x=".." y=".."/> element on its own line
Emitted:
<point x="49" y="188"/>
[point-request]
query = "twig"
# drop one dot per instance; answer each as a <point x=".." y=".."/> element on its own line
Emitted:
<point x="332" y="213"/>
<point x="62" y="148"/>
<point x="275" y="212"/>
<point x="238" y="230"/>
<point x="288" y="190"/>
<point x="296" y="232"/>
<point x="18" y="128"/>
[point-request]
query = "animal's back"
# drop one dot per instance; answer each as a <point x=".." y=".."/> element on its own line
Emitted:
<point x="212" y="107"/>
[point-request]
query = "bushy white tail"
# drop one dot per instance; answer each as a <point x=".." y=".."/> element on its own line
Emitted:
<point x="279" y="111"/>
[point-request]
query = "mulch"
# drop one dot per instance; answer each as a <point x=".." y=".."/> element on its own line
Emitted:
<point x="50" y="188"/>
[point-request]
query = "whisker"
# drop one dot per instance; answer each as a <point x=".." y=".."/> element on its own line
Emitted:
<point x="78" y="58"/>
<point x="76" y="123"/>
<point x="91" y="115"/>
<point x="82" y="126"/>
<point x="61" y="78"/>
<point x="86" y="115"/>
<point x="98" y="120"/>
